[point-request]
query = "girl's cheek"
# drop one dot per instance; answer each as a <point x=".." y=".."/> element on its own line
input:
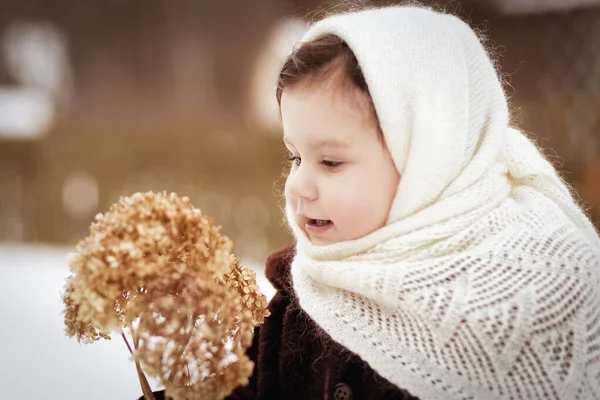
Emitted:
<point x="343" y="205"/>
<point x="286" y="188"/>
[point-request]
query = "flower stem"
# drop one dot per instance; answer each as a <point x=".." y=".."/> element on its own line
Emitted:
<point x="126" y="342"/>
<point x="148" y="395"/>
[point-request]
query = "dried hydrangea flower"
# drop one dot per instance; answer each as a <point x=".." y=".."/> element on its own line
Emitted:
<point x="155" y="265"/>
<point x="77" y="325"/>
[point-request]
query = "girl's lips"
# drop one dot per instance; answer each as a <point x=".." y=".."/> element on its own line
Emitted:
<point x="312" y="226"/>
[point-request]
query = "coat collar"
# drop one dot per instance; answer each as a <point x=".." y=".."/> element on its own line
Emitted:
<point x="278" y="267"/>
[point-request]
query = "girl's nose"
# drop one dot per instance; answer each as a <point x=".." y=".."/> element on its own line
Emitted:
<point x="300" y="184"/>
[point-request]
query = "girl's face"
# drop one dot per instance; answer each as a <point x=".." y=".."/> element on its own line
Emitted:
<point x="343" y="180"/>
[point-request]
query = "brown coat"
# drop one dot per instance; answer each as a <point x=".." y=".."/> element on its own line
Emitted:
<point x="296" y="360"/>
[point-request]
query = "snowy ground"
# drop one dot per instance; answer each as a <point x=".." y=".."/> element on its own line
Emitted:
<point x="37" y="360"/>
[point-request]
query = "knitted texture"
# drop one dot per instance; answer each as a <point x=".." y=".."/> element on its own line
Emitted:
<point x="484" y="283"/>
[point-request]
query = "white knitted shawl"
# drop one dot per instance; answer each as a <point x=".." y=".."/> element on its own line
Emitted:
<point x="484" y="284"/>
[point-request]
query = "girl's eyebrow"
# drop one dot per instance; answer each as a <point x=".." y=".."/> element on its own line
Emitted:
<point x="324" y="142"/>
<point x="329" y="143"/>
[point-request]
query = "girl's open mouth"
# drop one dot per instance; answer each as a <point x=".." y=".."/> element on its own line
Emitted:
<point x="318" y="225"/>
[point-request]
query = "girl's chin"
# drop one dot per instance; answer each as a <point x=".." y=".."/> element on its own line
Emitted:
<point x="320" y="241"/>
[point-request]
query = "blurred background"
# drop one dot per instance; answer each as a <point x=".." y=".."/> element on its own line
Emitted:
<point x="103" y="98"/>
<point x="100" y="99"/>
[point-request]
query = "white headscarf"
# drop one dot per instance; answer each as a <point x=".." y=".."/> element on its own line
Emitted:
<point x="485" y="282"/>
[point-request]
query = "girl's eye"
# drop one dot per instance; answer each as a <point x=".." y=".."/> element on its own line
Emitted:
<point x="295" y="159"/>
<point x="331" y="164"/>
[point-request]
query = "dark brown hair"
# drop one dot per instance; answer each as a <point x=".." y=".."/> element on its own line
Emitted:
<point x="321" y="59"/>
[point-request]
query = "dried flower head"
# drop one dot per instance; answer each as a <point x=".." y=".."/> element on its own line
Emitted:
<point x="158" y="267"/>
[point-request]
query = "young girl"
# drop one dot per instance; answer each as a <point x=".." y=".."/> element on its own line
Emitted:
<point x="438" y="255"/>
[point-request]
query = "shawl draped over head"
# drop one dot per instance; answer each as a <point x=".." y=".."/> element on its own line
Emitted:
<point x="484" y="283"/>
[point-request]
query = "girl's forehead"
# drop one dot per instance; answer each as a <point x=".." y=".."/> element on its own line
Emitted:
<point x="321" y="118"/>
<point x="338" y="99"/>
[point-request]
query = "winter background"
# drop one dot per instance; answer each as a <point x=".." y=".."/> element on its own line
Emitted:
<point x="103" y="98"/>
